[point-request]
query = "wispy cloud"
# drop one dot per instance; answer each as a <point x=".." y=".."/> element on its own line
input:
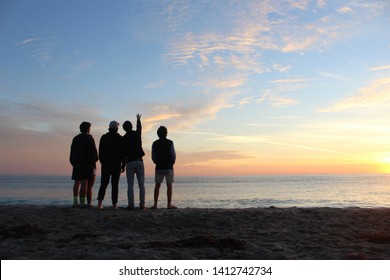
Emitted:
<point x="162" y="117"/>
<point x="276" y="100"/>
<point x="322" y="3"/>
<point x="207" y="156"/>
<point x="230" y="49"/>
<point x="187" y="112"/>
<point x="380" y="68"/>
<point x="244" y="37"/>
<point x="28" y="41"/>
<point x="377" y="93"/>
<point x="344" y="10"/>
<point x="246" y="100"/>
<point x="334" y="76"/>
<point x="84" y="65"/>
<point x="34" y="114"/>
<point x="281" y="68"/>
<point x="253" y="139"/>
<point x="155" y="84"/>
<point x="225" y="83"/>
<point x="286" y="81"/>
<point x="39" y="49"/>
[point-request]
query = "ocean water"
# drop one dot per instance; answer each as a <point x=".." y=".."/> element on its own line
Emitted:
<point x="366" y="191"/>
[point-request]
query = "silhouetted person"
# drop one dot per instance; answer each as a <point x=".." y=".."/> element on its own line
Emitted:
<point x="111" y="157"/>
<point x="134" y="162"/>
<point x="83" y="157"/>
<point x="164" y="156"/>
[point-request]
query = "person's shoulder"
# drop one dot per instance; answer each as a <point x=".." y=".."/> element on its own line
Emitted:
<point x="79" y="137"/>
<point x="90" y="137"/>
<point x="105" y="135"/>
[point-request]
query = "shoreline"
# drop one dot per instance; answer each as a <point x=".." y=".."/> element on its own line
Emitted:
<point x="323" y="233"/>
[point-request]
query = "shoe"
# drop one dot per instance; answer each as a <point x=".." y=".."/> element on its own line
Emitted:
<point x="172" y="207"/>
<point x="130" y="207"/>
<point x="115" y="207"/>
<point x="153" y="207"/>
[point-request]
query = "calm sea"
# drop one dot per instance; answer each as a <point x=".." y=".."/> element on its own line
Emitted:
<point x="218" y="192"/>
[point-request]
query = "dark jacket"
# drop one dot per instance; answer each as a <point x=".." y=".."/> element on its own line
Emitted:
<point x="83" y="151"/>
<point x="111" y="148"/>
<point x="133" y="144"/>
<point x="163" y="153"/>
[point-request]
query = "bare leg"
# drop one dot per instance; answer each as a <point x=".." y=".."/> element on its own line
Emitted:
<point x="100" y="204"/>
<point x="76" y="187"/>
<point x="156" y="194"/>
<point x="169" y="194"/>
<point x="83" y="191"/>
<point x="91" y="182"/>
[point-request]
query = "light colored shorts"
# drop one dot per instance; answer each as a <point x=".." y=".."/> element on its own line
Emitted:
<point x="160" y="174"/>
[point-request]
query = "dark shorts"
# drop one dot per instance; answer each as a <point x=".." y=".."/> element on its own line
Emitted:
<point x="82" y="173"/>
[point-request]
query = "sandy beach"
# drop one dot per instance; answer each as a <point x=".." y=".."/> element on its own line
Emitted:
<point x="60" y="232"/>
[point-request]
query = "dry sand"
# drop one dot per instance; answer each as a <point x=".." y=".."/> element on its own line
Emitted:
<point x="59" y="232"/>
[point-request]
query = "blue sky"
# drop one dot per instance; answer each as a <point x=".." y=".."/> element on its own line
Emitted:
<point x="244" y="87"/>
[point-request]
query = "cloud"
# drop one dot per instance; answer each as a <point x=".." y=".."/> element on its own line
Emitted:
<point x="39" y="49"/>
<point x="227" y="83"/>
<point x="187" y="112"/>
<point x="207" y="156"/>
<point x="85" y="65"/>
<point x="155" y="84"/>
<point x="225" y="47"/>
<point x="321" y="3"/>
<point x="344" y="10"/>
<point x="226" y="51"/>
<point x="377" y="93"/>
<point x="293" y="44"/>
<point x="257" y="27"/>
<point x="36" y="135"/>
<point x="288" y="81"/>
<point x="246" y="100"/>
<point x="276" y="100"/>
<point x="37" y="115"/>
<point x="264" y="139"/>
<point x="162" y="117"/>
<point x="28" y="41"/>
<point x="380" y="68"/>
<point x="281" y="68"/>
<point x="299" y="4"/>
<point x="333" y="76"/>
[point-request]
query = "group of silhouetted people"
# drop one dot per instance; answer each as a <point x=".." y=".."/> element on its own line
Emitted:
<point x="116" y="154"/>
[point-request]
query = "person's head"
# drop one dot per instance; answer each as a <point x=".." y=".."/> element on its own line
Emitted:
<point x="85" y="127"/>
<point x="162" y="132"/>
<point x="113" y="126"/>
<point x="127" y="126"/>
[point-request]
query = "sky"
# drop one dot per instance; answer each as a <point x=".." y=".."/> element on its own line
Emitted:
<point x="244" y="87"/>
